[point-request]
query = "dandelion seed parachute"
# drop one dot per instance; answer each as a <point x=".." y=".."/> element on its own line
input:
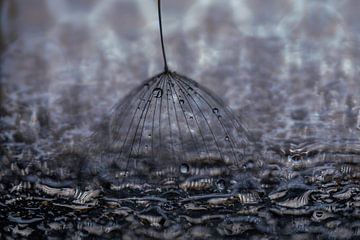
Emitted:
<point x="168" y="121"/>
<point x="165" y="125"/>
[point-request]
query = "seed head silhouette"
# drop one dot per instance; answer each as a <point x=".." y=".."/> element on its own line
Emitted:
<point x="170" y="122"/>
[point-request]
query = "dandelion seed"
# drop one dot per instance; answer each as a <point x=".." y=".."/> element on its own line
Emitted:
<point x="147" y="132"/>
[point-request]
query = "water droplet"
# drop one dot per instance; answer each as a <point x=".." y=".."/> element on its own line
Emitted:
<point x="158" y="92"/>
<point x="146" y="146"/>
<point x="146" y="85"/>
<point x="181" y="101"/>
<point x="250" y="164"/>
<point x="227" y="138"/>
<point x="184" y="168"/>
<point x="215" y="110"/>
<point x="220" y="184"/>
<point x="149" y="135"/>
<point x="190" y="88"/>
<point x="191" y="117"/>
<point x="294" y="158"/>
<point x="318" y="214"/>
<point x="219" y="117"/>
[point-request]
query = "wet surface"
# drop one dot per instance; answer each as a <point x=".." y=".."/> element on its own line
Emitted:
<point x="316" y="196"/>
<point x="290" y="80"/>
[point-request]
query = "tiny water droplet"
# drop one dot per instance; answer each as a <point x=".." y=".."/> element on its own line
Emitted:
<point x="190" y="88"/>
<point x="191" y="117"/>
<point x="146" y="85"/>
<point x="184" y="168"/>
<point x="319" y="214"/>
<point x="146" y="146"/>
<point x="181" y="101"/>
<point x="215" y="110"/>
<point x="250" y="164"/>
<point x="220" y="184"/>
<point x="294" y="158"/>
<point x="158" y="92"/>
<point x="219" y="117"/>
<point x="227" y="138"/>
<point x="149" y="135"/>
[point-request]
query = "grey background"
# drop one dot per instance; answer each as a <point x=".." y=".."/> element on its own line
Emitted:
<point x="289" y="69"/>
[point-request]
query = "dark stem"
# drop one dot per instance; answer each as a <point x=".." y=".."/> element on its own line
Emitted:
<point x="161" y="37"/>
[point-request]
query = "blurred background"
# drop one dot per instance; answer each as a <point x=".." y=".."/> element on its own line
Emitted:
<point x="288" y="69"/>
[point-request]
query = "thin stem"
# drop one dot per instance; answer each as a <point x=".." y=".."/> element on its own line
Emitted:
<point x="161" y="37"/>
